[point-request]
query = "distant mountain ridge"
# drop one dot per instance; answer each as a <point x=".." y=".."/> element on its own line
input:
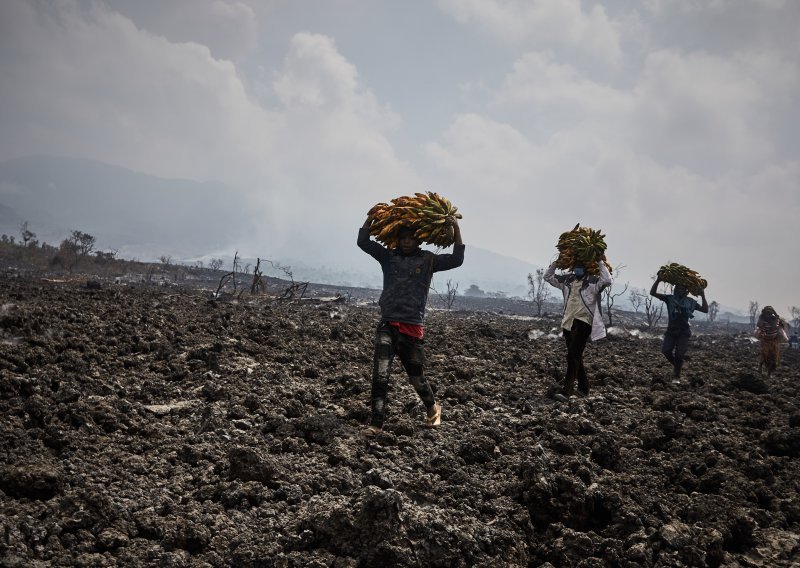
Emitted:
<point x="144" y="216"/>
<point x="119" y="206"/>
<point x="147" y="216"/>
<point x="491" y="272"/>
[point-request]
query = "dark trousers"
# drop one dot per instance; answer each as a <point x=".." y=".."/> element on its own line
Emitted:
<point x="576" y="339"/>
<point x="411" y="351"/>
<point x="675" y="346"/>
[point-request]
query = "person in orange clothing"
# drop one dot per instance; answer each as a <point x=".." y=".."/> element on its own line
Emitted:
<point x="771" y="332"/>
<point x="407" y="273"/>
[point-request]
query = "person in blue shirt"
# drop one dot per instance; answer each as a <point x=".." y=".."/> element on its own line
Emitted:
<point x="680" y="309"/>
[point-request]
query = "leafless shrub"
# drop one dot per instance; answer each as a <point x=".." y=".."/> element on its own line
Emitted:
<point x="794" y="312"/>
<point x="609" y="296"/>
<point x="538" y="290"/>
<point x="258" y="283"/>
<point x="28" y="236"/>
<point x="713" y="311"/>
<point x="449" y="297"/>
<point x="636" y="298"/>
<point x="753" y="311"/>
<point x="653" y="311"/>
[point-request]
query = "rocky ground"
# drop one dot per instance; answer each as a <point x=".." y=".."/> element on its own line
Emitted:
<point x="150" y="426"/>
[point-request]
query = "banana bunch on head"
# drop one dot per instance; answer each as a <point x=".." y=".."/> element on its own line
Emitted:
<point x="677" y="274"/>
<point x="429" y="215"/>
<point x="582" y="245"/>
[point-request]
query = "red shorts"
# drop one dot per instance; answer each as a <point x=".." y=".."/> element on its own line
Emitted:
<point x="415" y="331"/>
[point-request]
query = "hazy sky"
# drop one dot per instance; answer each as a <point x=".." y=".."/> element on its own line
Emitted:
<point x="670" y="124"/>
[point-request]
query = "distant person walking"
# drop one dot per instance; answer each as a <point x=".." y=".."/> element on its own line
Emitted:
<point x="680" y="309"/>
<point x="582" y="319"/>
<point x="407" y="273"/>
<point x="771" y="332"/>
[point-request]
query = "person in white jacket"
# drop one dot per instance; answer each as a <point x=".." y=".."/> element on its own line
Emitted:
<point x="582" y="318"/>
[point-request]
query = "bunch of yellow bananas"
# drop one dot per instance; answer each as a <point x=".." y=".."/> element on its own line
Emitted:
<point x="677" y="274"/>
<point x="429" y="214"/>
<point x="584" y="246"/>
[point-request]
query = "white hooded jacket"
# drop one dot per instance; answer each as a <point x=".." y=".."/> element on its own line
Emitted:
<point x="590" y="294"/>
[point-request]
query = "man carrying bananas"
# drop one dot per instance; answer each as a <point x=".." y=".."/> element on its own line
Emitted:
<point x="680" y="309"/>
<point x="582" y="318"/>
<point x="407" y="272"/>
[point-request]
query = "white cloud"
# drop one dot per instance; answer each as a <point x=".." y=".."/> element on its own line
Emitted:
<point x="89" y="83"/>
<point x="525" y="192"/>
<point x="317" y="78"/>
<point x="518" y="196"/>
<point x="694" y="6"/>
<point x="229" y="28"/>
<point x="716" y="114"/>
<point x="333" y="152"/>
<point x="542" y="23"/>
<point x="480" y="153"/>
<point x="683" y="164"/>
<point x="697" y="110"/>
<point x="700" y="110"/>
<point x="556" y="96"/>
<point x="723" y="27"/>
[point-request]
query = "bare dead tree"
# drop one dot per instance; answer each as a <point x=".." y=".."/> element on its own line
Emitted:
<point x="292" y="290"/>
<point x="235" y="268"/>
<point x="222" y="281"/>
<point x="447" y="298"/>
<point x="257" y="283"/>
<point x="452" y="292"/>
<point x="26" y="234"/>
<point x="713" y="310"/>
<point x="794" y="312"/>
<point x="753" y="310"/>
<point x="610" y="296"/>
<point x="538" y="290"/>
<point x="636" y="298"/>
<point x="215" y="263"/>
<point x="653" y="310"/>
<point x="165" y="259"/>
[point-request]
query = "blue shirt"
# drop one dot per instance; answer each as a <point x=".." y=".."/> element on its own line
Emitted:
<point x="679" y="311"/>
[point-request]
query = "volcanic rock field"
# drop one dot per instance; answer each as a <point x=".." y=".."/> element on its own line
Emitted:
<point x="153" y="426"/>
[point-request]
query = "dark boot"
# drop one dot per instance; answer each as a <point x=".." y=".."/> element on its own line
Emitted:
<point x="568" y="386"/>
